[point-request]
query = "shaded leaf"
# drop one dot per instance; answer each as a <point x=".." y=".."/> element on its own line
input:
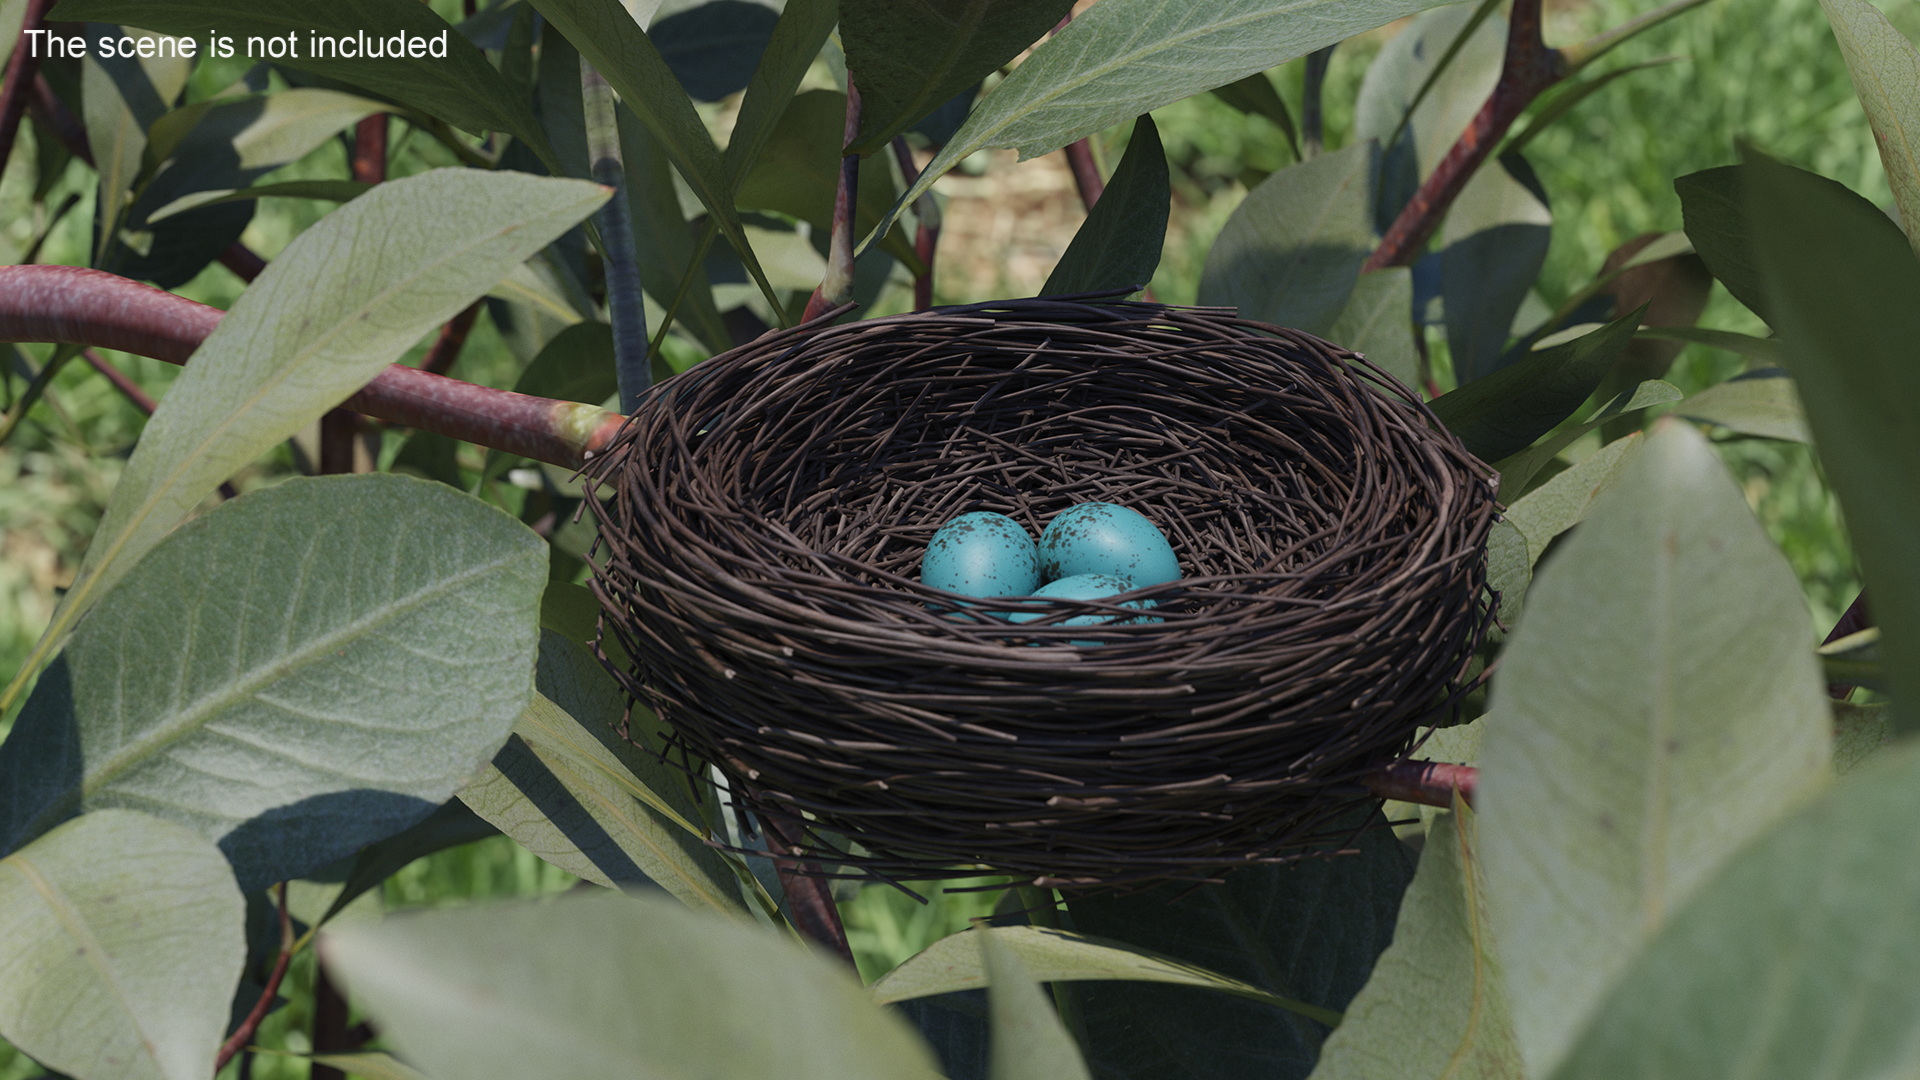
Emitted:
<point x="1766" y="350"/>
<point x="1846" y="290"/>
<point x="1504" y="413"/>
<point x="1713" y="208"/>
<point x="1630" y="751"/>
<point x="1496" y="243"/>
<point x="798" y="172"/>
<point x="245" y="679"/>
<point x="908" y="58"/>
<point x="714" y="47"/>
<point x="1563" y="501"/>
<point x="577" y="365"/>
<point x="120" y="946"/>
<point x="1886" y="74"/>
<point x="1255" y="96"/>
<point x="953" y="964"/>
<point x="1291" y="252"/>
<point x="1793" y="961"/>
<point x="1767" y="406"/>
<point x="1378" y="323"/>
<point x="1509" y="569"/>
<point x="563" y="789"/>
<point x="347" y="297"/>
<point x="1118" y="246"/>
<point x="1435" y="1006"/>
<point x="452" y="825"/>
<point x="615" y="987"/>
<point x="803" y="28"/>
<point x="1517" y="472"/>
<point x="1673" y="287"/>
<point x="326" y="190"/>
<point x="461" y="87"/>
<point x="1859" y="733"/>
<point x="1121" y="58"/>
<point x="1309" y="931"/>
<point x="1028" y="1041"/>
<point x="666" y="245"/>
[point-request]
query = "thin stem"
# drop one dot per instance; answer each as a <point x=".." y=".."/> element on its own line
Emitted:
<point x="1313" y="119"/>
<point x="453" y="337"/>
<point x="1086" y="172"/>
<point x="242" y="261"/>
<point x="1530" y="68"/>
<point x="140" y="398"/>
<point x="75" y="305"/>
<point x="1429" y="783"/>
<point x="926" y="236"/>
<point x="16" y="89"/>
<point x="370" y="149"/>
<point x="1586" y="52"/>
<point x="624" y="306"/>
<point x="244" y="1033"/>
<point x="837" y="287"/>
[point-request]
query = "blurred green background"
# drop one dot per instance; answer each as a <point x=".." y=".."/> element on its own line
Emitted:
<point x="1767" y="71"/>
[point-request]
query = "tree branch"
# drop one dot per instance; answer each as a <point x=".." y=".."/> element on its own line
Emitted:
<point x="837" y="287"/>
<point x="1429" y="783"/>
<point x="244" y="1033"/>
<point x="16" y="89"/>
<point x="926" y="234"/>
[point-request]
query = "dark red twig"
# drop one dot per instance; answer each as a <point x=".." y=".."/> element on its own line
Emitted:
<point x="837" y="287"/>
<point x="58" y="119"/>
<point x="1530" y="68"/>
<point x="90" y="307"/>
<point x="16" y="89"/>
<point x="926" y="236"/>
<point x="1086" y="174"/>
<point x="453" y="336"/>
<point x="244" y="1033"/>
<point x="340" y="429"/>
<point x="1429" y="783"/>
<point x="809" y="896"/>
<point x="127" y="387"/>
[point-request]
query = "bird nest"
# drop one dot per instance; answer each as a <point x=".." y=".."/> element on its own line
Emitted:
<point x="763" y="518"/>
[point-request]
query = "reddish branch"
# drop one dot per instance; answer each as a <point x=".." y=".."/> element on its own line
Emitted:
<point x="1429" y="783"/>
<point x="837" y="287"/>
<point x="809" y="896"/>
<point x="1530" y="68"/>
<point x="244" y="1033"/>
<point x="453" y="336"/>
<point x="89" y="307"/>
<point x="1086" y="174"/>
<point x="16" y="89"/>
<point x="926" y="235"/>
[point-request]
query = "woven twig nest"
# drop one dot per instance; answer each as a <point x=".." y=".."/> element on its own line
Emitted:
<point x="765" y="515"/>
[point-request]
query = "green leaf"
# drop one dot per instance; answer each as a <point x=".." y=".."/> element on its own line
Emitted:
<point x="616" y="46"/>
<point x="661" y="233"/>
<point x="798" y="172"/>
<point x="1563" y="501"/>
<point x="1860" y="732"/>
<point x="347" y="297"/>
<point x="1378" y="323"/>
<point x="1856" y="659"/>
<point x="1255" y="96"/>
<point x="116" y="136"/>
<point x="1713" y="210"/>
<point x="452" y="825"/>
<point x="562" y="788"/>
<point x="576" y="365"/>
<point x="1767" y="350"/>
<point x="1886" y="74"/>
<point x="952" y="964"/>
<point x="1310" y="932"/>
<point x="1435" y="1006"/>
<point x="461" y="87"/>
<point x="1409" y="61"/>
<point x="1028" y="1040"/>
<point x="1496" y="243"/>
<point x="1122" y="58"/>
<point x="615" y="987"/>
<point x="1794" y="961"/>
<point x="295" y="674"/>
<point x="1291" y="252"/>
<point x="1766" y="406"/>
<point x="1118" y="246"/>
<point x="909" y="58"/>
<point x="1846" y="290"/>
<point x="797" y="38"/>
<point x="326" y="190"/>
<point x="1503" y="414"/>
<point x="121" y="941"/>
<point x="1518" y="471"/>
<point x="1629" y="750"/>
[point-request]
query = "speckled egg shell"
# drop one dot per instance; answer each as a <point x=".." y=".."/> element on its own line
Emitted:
<point x="1103" y="538"/>
<point x="1080" y="587"/>
<point x="982" y="554"/>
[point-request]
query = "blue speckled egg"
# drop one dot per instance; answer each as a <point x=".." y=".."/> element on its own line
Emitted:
<point x="981" y="554"/>
<point x="1102" y="538"/>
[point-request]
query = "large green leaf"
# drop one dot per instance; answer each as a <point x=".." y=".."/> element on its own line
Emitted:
<point x="952" y="964"/>
<point x="1563" y="501"/>
<point x="909" y="57"/>
<point x="461" y="87"/>
<point x="660" y="232"/>
<point x="1378" y="323"/>
<point x="1118" y="246"/>
<point x="607" y="36"/>
<point x="797" y="38"/>
<point x="615" y="987"/>
<point x="1795" y="961"/>
<point x="1518" y="471"/>
<point x="1027" y="1039"/>
<point x="347" y="297"/>
<point x="1767" y="406"/>
<point x="1886" y="74"/>
<point x="1713" y="208"/>
<point x="1659" y="707"/>
<point x="562" y="789"/>
<point x="1845" y="288"/>
<point x="1309" y="931"/>
<point x="1496" y="242"/>
<point x="295" y="674"/>
<point x="121" y="941"/>
<point x="1435" y="1007"/>
<point x="1121" y="58"/>
<point x="1291" y="252"/>
<point x="118" y="103"/>
<point x="798" y="172"/>
<point x="1502" y="414"/>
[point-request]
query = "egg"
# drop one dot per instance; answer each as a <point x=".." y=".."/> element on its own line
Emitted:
<point x="982" y="554"/>
<point x="1086" y="587"/>
<point x="1104" y="538"/>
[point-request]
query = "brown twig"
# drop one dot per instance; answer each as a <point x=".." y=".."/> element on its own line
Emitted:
<point x="340" y="429"/>
<point x="1429" y="783"/>
<point x="1530" y="68"/>
<point x="140" y="398"/>
<point x="453" y="336"/>
<point x="17" y="87"/>
<point x="242" y="261"/>
<point x="91" y="307"/>
<point x="244" y="1033"/>
<point x="837" y="287"/>
<point x="809" y="896"/>
<point x="1086" y="173"/>
<point x="926" y="235"/>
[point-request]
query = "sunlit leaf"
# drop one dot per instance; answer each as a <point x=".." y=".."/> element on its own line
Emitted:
<point x="1886" y="74"/>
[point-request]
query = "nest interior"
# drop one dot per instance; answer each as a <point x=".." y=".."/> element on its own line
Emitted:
<point x="763" y="517"/>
